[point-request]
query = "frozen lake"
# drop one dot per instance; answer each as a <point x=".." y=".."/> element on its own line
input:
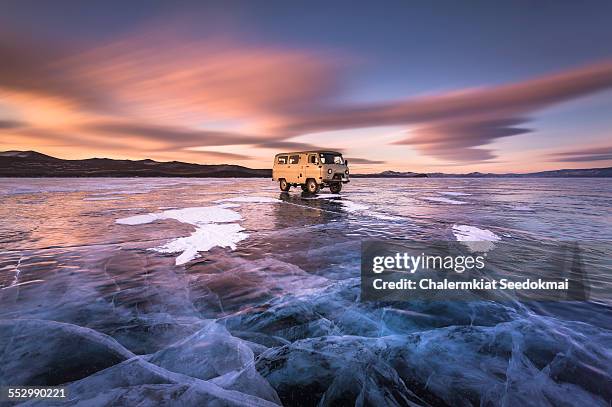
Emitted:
<point x="151" y="290"/>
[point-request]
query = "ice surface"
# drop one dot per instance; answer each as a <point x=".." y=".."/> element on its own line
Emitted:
<point x="208" y="353"/>
<point x="479" y="240"/>
<point x="443" y="200"/>
<point x="451" y="193"/>
<point x="103" y="198"/>
<point x="65" y="352"/>
<point x="384" y="216"/>
<point x="522" y="208"/>
<point x="213" y="353"/>
<point x="138" y="382"/>
<point x="280" y="318"/>
<point x="445" y="366"/>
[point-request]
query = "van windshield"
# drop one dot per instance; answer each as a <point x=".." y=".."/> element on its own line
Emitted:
<point x="329" y="158"/>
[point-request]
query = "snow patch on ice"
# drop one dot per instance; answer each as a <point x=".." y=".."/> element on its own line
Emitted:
<point x="138" y="219"/>
<point x="476" y="239"/>
<point x="229" y="205"/>
<point x="202" y="215"/>
<point x="203" y="239"/>
<point x="193" y="216"/>
<point x="213" y="228"/>
<point x="444" y="200"/>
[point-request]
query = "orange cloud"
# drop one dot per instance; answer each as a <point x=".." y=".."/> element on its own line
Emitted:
<point x="159" y="94"/>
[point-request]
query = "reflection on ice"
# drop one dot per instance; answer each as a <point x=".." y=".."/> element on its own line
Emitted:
<point x="251" y="199"/>
<point x="351" y="206"/>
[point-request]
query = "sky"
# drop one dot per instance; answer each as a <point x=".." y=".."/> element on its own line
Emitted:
<point x="422" y="86"/>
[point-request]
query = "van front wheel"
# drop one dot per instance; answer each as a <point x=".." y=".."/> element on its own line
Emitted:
<point x="284" y="185"/>
<point x="312" y="186"/>
<point x="335" y="188"/>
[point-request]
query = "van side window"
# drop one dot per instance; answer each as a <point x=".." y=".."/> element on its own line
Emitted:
<point x="282" y="159"/>
<point x="312" y="159"/>
<point x="294" y="159"/>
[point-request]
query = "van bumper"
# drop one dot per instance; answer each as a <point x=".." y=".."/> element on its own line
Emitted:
<point x="333" y="181"/>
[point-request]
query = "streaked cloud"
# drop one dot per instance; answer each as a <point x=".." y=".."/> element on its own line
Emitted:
<point x="216" y="155"/>
<point x="172" y="136"/>
<point x="292" y="145"/>
<point x="356" y="160"/>
<point x="11" y="124"/>
<point x="458" y="140"/>
<point x="583" y="155"/>
<point x="36" y="68"/>
<point x="453" y="125"/>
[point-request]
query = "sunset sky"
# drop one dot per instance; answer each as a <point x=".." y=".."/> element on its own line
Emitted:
<point x="441" y="86"/>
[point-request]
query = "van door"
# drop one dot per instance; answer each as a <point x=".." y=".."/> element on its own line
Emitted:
<point x="279" y="169"/>
<point x="294" y="169"/>
<point x="311" y="169"/>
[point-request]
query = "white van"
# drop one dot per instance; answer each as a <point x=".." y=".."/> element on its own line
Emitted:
<point x="312" y="170"/>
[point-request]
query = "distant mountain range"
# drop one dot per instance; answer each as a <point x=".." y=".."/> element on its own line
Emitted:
<point x="566" y="173"/>
<point x="392" y="174"/>
<point x="34" y="164"/>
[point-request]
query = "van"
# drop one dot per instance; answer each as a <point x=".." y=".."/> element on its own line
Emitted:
<point x="311" y="170"/>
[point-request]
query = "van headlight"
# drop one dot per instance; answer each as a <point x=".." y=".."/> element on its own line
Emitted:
<point x="329" y="171"/>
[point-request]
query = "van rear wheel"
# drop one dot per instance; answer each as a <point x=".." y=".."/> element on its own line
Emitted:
<point x="312" y="186"/>
<point x="284" y="185"/>
<point x="335" y="188"/>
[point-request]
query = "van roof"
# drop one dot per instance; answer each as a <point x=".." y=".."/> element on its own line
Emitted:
<point x="309" y="152"/>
